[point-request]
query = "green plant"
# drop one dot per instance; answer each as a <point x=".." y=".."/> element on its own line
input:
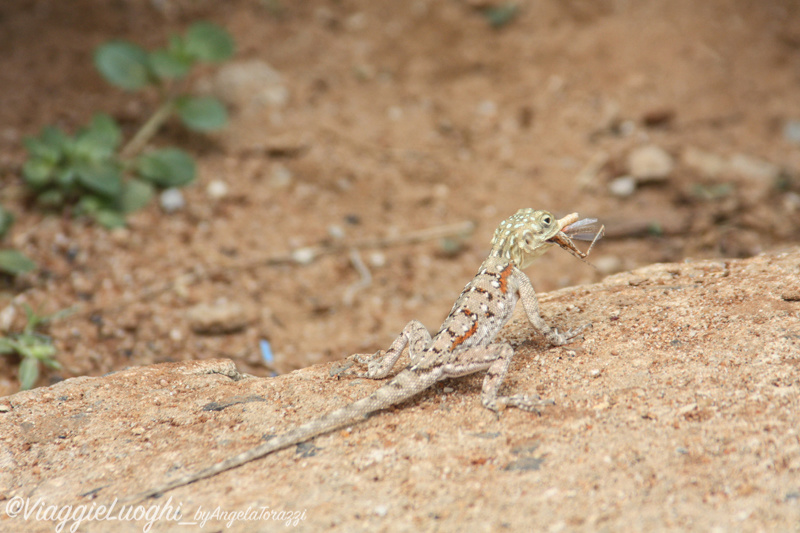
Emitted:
<point x="33" y="348"/>
<point x="11" y="261"/>
<point x="89" y="172"/>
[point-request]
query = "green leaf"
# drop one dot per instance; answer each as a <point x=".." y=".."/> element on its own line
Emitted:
<point x="28" y="372"/>
<point x="208" y="42"/>
<point x="37" y="172"/>
<point x="7" y="346"/>
<point x="135" y="195"/>
<point x="65" y="179"/>
<point x="103" y="179"/>
<point x="109" y="219"/>
<point x="167" y="64"/>
<point x="50" y="198"/>
<point x="122" y="64"/>
<point x="501" y="15"/>
<point x="6" y="221"/>
<point x="49" y="146"/>
<point x="168" y="167"/>
<point x="52" y="364"/>
<point x="13" y="262"/>
<point x="90" y="204"/>
<point x="100" y="139"/>
<point x="202" y="114"/>
<point x="36" y="346"/>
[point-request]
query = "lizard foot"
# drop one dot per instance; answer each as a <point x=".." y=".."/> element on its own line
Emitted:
<point x="373" y="362"/>
<point x="520" y="401"/>
<point x="557" y="338"/>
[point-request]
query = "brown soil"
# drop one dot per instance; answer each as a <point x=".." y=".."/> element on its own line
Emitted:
<point x="400" y="117"/>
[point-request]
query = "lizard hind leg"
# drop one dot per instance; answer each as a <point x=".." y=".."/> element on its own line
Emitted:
<point x="493" y="380"/>
<point x="379" y="364"/>
<point x="495" y="359"/>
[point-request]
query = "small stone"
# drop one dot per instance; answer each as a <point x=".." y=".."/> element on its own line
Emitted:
<point x="622" y="186"/>
<point x="280" y="177"/>
<point x="7" y="316"/>
<point x="791" y="131"/>
<point x="658" y="117"/>
<point x="336" y="231"/>
<point x="172" y="200"/>
<point x="303" y="256"/>
<point x="221" y="317"/>
<point x="753" y="168"/>
<point x="650" y="163"/>
<point x="377" y="259"/>
<point x="249" y="83"/>
<point x="217" y="190"/>
<point x="704" y="163"/>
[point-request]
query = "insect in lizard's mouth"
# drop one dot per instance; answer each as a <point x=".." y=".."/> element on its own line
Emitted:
<point x="588" y="229"/>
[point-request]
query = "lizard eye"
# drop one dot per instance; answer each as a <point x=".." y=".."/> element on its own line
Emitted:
<point x="547" y="220"/>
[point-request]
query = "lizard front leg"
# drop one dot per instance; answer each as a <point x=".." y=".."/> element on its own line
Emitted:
<point x="379" y="364"/>
<point x="495" y="359"/>
<point x="531" y="304"/>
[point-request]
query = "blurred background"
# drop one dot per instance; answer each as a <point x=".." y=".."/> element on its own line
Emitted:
<point x="677" y="124"/>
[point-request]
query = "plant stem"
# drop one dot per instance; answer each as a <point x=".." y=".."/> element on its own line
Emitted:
<point x="148" y="129"/>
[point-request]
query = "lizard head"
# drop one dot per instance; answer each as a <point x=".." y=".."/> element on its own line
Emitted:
<point x="526" y="235"/>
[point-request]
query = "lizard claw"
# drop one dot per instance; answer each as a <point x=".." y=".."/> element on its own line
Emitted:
<point x="371" y="360"/>
<point x="557" y="338"/>
<point x="338" y="371"/>
<point x="520" y="401"/>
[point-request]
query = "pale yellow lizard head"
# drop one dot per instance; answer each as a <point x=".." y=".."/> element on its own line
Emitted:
<point x="524" y="236"/>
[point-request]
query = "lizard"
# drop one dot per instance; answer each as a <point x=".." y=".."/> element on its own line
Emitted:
<point x="463" y="345"/>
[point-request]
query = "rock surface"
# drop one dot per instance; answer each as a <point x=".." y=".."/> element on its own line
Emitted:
<point x="679" y="411"/>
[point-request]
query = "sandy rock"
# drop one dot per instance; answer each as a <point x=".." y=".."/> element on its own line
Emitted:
<point x="680" y="406"/>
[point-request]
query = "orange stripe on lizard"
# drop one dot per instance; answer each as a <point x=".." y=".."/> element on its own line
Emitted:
<point x="467" y="334"/>
<point x="504" y="275"/>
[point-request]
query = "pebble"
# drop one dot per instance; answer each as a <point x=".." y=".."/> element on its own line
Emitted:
<point x="650" y="163"/>
<point x="304" y="256"/>
<point x="250" y="82"/>
<point x="171" y="200"/>
<point x="280" y="177"/>
<point x="791" y="131"/>
<point x="377" y="259"/>
<point x="7" y="316"/>
<point x="622" y="186"/>
<point x="217" y="190"/>
<point x="704" y="163"/>
<point x="753" y="168"/>
<point x="336" y="232"/>
<point x="223" y="316"/>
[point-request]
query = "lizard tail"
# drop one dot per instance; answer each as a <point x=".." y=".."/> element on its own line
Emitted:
<point x="402" y="387"/>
